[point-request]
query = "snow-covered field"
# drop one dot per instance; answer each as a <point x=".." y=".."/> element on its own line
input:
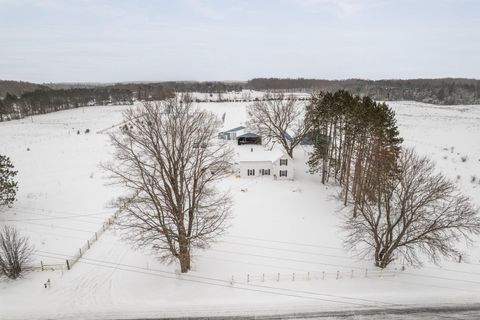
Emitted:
<point x="284" y="237"/>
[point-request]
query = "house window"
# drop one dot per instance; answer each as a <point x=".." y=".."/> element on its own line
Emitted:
<point x="283" y="162"/>
<point x="250" y="172"/>
<point x="283" y="173"/>
<point x="265" y="172"/>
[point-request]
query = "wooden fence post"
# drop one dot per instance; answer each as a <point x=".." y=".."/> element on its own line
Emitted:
<point x="338" y="274"/>
<point x="68" y="265"/>
<point x="41" y="263"/>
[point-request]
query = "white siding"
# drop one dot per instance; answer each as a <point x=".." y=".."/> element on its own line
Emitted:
<point x="289" y="168"/>
<point x="257" y="166"/>
<point x="274" y="168"/>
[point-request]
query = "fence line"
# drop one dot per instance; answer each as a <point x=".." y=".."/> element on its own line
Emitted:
<point x="69" y="263"/>
<point x="81" y="251"/>
<point x="311" y="276"/>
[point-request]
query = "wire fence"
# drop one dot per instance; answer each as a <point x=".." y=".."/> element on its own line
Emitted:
<point x="81" y="251"/>
<point x="312" y="276"/>
<point x="69" y="263"/>
<point x="46" y="267"/>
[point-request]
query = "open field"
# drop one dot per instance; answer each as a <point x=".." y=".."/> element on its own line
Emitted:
<point x="284" y="247"/>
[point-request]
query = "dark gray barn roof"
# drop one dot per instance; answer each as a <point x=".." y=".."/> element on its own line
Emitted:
<point x="249" y="135"/>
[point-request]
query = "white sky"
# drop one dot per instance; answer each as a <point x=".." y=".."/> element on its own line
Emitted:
<point x="127" y="40"/>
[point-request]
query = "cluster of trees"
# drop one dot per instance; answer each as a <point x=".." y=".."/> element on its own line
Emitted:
<point x="398" y="206"/>
<point x="165" y="90"/>
<point x="43" y="101"/>
<point x="356" y="141"/>
<point x="18" y="87"/>
<point x="437" y="91"/>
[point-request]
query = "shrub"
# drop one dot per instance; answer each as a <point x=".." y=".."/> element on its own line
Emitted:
<point x="15" y="252"/>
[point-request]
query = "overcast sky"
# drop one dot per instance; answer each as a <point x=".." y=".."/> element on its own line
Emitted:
<point x="127" y="40"/>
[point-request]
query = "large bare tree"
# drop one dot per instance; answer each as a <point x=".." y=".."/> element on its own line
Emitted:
<point x="168" y="160"/>
<point x="278" y="118"/>
<point x="418" y="212"/>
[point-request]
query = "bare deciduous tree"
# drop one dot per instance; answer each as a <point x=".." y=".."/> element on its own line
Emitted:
<point x="420" y="212"/>
<point x="15" y="252"/>
<point x="278" y="119"/>
<point x="168" y="159"/>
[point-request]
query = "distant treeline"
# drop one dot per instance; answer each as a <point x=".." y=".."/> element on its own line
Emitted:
<point x="25" y="98"/>
<point x="437" y="91"/>
<point x="42" y="101"/>
<point x="161" y="90"/>
<point x="18" y="87"/>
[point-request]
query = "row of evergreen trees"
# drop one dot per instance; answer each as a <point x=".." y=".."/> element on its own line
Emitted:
<point x="356" y="142"/>
<point x="44" y="101"/>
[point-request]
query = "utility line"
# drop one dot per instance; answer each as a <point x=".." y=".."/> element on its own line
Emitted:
<point x="227" y="282"/>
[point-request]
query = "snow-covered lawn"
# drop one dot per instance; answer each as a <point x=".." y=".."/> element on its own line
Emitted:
<point x="285" y="237"/>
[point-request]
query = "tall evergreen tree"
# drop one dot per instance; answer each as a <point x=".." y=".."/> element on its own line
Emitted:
<point x="8" y="185"/>
<point x="356" y="141"/>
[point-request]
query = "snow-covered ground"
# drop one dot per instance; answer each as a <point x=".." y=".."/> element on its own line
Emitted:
<point x="282" y="251"/>
<point x="244" y="95"/>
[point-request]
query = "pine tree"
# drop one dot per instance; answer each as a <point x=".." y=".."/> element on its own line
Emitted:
<point x="356" y="142"/>
<point x="8" y="186"/>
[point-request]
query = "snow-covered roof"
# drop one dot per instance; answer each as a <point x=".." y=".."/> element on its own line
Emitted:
<point x="259" y="154"/>
<point x="236" y="129"/>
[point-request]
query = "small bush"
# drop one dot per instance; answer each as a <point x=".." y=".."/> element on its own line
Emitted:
<point x="464" y="158"/>
<point x="473" y="179"/>
<point x="15" y="253"/>
<point x="87" y="131"/>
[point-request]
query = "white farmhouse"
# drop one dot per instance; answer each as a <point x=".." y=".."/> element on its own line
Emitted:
<point x="256" y="162"/>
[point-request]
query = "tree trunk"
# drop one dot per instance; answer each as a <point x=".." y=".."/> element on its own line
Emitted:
<point x="184" y="250"/>
<point x="184" y="256"/>
<point x="383" y="257"/>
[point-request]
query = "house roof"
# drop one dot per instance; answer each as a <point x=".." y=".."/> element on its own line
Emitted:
<point x="259" y="154"/>
<point x="236" y="129"/>
<point x="248" y="135"/>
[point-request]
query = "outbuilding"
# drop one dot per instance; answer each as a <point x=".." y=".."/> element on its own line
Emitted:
<point x="249" y="138"/>
<point x="232" y="133"/>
